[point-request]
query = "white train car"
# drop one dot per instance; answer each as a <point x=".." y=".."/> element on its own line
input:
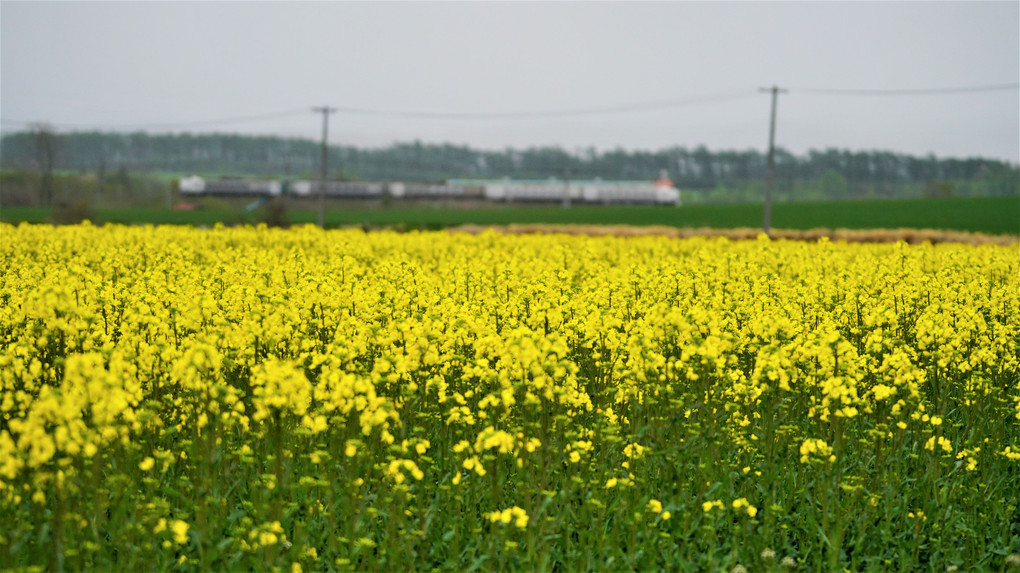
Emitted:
<point x="193" y="185"/>
<point x="661" y="192"/>
<point x="538" y="191"/>
<point x="338" y="189"/>
<point x="196" y="185"/>
<point x="449" y="190"/>
<point x="550" y="191"/>
<point x="633" y="193"/>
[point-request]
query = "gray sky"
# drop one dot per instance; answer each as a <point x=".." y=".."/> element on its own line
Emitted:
<point x="137" y="64"/>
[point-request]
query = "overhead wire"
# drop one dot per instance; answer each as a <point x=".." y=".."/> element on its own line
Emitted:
<point x="907" y="92"/>
<point x="172" y="125"/>
<point x="524" y="115"/>
<point x="625" y="108"/>
<point x="545" y="114"/>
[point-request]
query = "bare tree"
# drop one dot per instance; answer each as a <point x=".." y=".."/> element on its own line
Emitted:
<point x="47" y="143"/>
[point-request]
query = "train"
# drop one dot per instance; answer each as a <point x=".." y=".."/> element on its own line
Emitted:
<point x="596" y="191"/>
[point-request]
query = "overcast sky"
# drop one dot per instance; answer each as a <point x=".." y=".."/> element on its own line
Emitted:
<point x="165" y="66"/>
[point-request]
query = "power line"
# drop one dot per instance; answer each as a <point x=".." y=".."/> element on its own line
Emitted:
<point x="627" y="108"/>
<point x="907" y="92"/>
<point x="545" y="114"/>
<point x="243" y="119"/>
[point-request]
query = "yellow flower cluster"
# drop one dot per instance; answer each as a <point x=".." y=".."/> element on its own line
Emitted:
<point x="742" y="504"/>
<point x="816" y="449"/>
<point x="514" y="515"/>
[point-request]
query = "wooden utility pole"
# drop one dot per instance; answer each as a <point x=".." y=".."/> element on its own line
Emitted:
<point x="566" y="188"/>
<point x="325" y="111"/>
<point x="770" y="169"/>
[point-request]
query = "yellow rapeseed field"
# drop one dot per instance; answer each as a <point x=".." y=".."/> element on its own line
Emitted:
<point x="300" y="400"/>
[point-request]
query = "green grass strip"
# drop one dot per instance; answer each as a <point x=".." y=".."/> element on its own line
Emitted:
<point x="991" y="215"/>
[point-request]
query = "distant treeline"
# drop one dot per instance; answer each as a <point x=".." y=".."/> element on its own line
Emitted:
<point x="717" y="175"/>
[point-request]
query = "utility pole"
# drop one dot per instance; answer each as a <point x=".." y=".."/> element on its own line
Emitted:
<point x="770" y="169"/>
<point x="325" y="111"/>
<point x="566" y="188"/>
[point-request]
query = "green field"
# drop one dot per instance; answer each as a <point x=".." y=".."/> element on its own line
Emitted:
<point x="992" y="215"/>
